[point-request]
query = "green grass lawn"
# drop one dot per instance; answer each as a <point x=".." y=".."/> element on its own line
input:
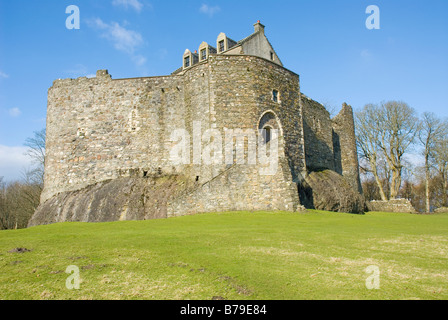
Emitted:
<point x="236" y="255"/>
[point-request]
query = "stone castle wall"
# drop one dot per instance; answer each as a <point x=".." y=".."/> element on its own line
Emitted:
<point x="318" y="132"/>
<point x="101" y="129"/>
<point x="344" y="146"/>
<point x="393" y="205"/>
<point x="109" y="144"/>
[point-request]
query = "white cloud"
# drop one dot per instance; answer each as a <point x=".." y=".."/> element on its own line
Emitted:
<point x="3" y="75"/>
<point x="139" y="60"/>
<point x="366" y="54"/>
<point x="14" y="112"/>
<point x="13" y="162"/>
<point x="209" y="10"/>
<point x="122" y="39"/>
<point x="135" y="4"/>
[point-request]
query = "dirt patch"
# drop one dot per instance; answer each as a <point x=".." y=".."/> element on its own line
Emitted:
<point x="77" y="258"/>
<point x="240" y="289"/>
<point x="87" y="267"/>
<point x="178" y="264"/>
<point x="19" y="250"/>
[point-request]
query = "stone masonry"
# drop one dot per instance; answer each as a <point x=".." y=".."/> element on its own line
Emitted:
<point x="109" y="141"/>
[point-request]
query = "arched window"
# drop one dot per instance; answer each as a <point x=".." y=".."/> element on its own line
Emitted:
<point x="266" y="124"/>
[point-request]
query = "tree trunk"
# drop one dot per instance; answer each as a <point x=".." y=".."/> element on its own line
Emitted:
<point x="373" y="163"/>
<point x="380" y="185"/>
<point x="395" y="183"/>
<point x="444" y="188"/>
<point x="427" y="177"/>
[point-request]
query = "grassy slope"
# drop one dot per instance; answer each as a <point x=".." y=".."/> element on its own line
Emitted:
<point x="317" y="255"/>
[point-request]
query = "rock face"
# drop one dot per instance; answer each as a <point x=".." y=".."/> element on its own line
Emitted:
<point x="328" y="190"/>
<point x="113" y="200"/>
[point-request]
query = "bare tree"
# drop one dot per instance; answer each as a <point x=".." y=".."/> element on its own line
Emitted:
<point x="2" y="202"/>
<point x="440" y="162"/>
<point x="19" y="199"/>
<point x="386" y="132"/>
<point x="36" y="151"/>
<point x="368" y="129"/>
<point x="431" y="133"/>
<point x="400" y="126"/>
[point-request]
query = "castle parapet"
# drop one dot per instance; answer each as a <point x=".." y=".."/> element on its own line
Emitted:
<point x="103" y="74"/>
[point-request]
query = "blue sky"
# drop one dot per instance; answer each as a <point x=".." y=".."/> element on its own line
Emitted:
<point x="325" y="41"/>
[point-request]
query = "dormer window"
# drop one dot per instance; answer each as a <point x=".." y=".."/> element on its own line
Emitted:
<point x="221" y="46"/>
<point x="205" y="50"/>
<point x="203" y="54"/>
<point x="186" y="62"/>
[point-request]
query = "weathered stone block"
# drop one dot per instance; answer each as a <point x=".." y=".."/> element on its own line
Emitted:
<point x="393" y="205"/>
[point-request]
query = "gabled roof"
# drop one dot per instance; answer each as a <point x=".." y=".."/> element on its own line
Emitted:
<point x="256" y="44"/>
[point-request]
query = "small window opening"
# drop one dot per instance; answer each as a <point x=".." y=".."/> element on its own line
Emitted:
<point x="275" y="95"/>
<point x="187" y="62"/>
<point x="145" y="174"/>
<point x="272" y="56"/>
<point x="221" y="46"/>
<point x="197" y="178"/>
<point x="267" y="134"/>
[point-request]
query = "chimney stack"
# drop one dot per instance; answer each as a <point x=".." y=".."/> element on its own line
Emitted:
<point x="258" y="27"/>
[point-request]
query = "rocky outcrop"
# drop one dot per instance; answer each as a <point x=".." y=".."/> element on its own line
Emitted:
<point x="328" y="190"/>
<point x="113" y="200"/>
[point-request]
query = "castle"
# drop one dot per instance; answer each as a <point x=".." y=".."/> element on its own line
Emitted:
<point x="109" y="143"/>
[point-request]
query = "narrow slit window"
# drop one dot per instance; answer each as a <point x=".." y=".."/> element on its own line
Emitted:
<point x="275" y="95"/>
<point x="267" y="134"/>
